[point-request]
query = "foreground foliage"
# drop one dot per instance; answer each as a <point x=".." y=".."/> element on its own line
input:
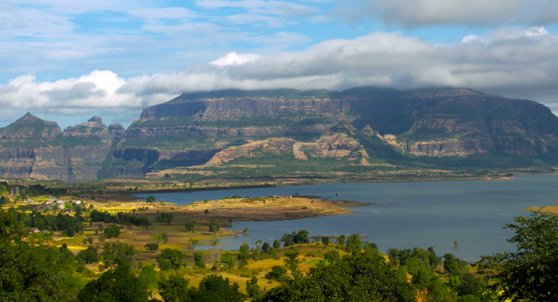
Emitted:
<point x="529" y="273"/>
<point x="358" y="277"/>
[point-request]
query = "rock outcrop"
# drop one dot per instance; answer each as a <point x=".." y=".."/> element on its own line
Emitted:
<point x="356" y="127"/>
<point x="34" y="148"/>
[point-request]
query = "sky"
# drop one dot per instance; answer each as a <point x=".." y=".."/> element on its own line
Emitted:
<point x="67" y="60"/>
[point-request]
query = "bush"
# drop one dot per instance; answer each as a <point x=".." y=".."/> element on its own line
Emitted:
<point x="170" y="259"/>
<point x="111" y="231"/>
<point x="216" y="289"/>
<point x="214" y="227"/>
<point x="89" y="255"/>
<point x="119" y="284"/>
<point x="164" y="218"/>
<point x="198" y="260"/>
<point x="151" y="247"/>
<point x="277" y="273"/>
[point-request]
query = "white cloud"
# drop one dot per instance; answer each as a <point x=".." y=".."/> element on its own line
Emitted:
<point x="162" y="13"/>
<point x="232" y="58"/>
<point x="513" y="62"/>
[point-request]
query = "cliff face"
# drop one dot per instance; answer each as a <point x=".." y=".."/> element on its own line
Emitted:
<point x="355" y="128"/>
<point x="33" y="148"/>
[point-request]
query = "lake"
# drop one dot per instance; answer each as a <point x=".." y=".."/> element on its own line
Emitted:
<point x="461" y="217"/>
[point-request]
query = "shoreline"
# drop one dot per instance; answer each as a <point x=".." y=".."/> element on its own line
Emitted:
<point x="132" y="194"/>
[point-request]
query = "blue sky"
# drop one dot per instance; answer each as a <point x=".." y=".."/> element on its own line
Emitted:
<point x="66" y="60"/>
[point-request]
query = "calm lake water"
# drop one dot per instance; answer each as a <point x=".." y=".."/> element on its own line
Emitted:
<point x="405" y="214"/>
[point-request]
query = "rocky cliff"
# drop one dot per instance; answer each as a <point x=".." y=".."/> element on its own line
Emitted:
<point x="34" y="148"/>
<point x="359" y="128"/>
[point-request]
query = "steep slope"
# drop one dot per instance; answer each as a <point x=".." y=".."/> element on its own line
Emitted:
<point x="283" y="133"/>
<point x="34" y="148"/>
<point x="387" y="124"/>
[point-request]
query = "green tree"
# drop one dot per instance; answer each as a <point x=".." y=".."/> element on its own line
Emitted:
<point x="277" y="273"/>
<point x="332" y="256"/>
<point x="174" y="289"/>
<point x="111" y="231"/>
<point x="39" y="273"/>
<point x="119" y="284"/>
<point x="227" y="259"/>
<point x="530" y="272"/>
<point x="117" y="254"/>
<point x="341" y="241"/>
<point x="356" y="277"/>
<point x="170" y="259"/>
<point x="243" y="254"/>
<point x="164" y="218"/>
<point x="190" y="226"/>
<point x="152" y="247"/>
<point x="198" y="260"/>
<point x="216" y="289"/>
<point x="161" y="237"/>
<point x="291" y="262"/>
<point x="89" y="255"/>
<point x="150" y="198"/>
<point x="353" y="244"/>
<point x="253" y="290"/>
<point x="213" y="227"/>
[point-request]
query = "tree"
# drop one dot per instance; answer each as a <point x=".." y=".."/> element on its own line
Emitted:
<point x="356" y="277"/>
<point x="213" y="227"/>
<point x="119" y="284"/>
<point x="277" y="273"/>
<point x="530" y="272"/>
<point x="29" y="273"/>
<point x="89" y="255"/>
<point x="170" y="259"/>
<point x="244" y="254"/>
<point x="117" y="254"/>
<point x="325" y="240"/>
<point x="253" y="290"/>
<point x="291" y="261"/>
<point x="198" y="260"/>
<point x="353" y="244"/>
<point x="150" y="199"/>
<point x="332" y="256"/>
<point x="161" y="237"/>
<point x="190" y="226"/>
<point x="174" y="289"/>
<point x="227" y="260"/>
<point x="152" y="247"/>
<point x="216" y="289"/>
<point x="164" y="218"/>
<point x="111" y="231"/>
<point x="266" y="247"/>
<point x="341" y="241"/>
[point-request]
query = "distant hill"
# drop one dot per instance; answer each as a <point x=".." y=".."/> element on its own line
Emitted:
<point x="291" y="133"/>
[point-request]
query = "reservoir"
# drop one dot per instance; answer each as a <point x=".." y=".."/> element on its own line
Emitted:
<point x="460" y="217"/>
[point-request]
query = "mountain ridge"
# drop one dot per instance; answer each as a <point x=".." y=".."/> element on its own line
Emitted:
<point x="369" y="126"/>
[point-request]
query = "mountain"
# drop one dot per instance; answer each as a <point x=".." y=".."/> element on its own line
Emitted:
<point x="292" y="133"/>
<point x="33" y="148"/>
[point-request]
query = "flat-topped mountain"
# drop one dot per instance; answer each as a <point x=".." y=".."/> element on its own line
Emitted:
<point x="270" y="133"/>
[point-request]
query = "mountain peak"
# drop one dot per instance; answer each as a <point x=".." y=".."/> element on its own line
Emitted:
<point x="96" y="120"/>
<point x="28" y="117"/>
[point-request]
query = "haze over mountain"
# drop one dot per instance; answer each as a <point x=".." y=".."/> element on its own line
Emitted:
<point x="280" y="133"/>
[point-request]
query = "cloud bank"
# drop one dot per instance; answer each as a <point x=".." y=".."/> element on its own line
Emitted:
<point x="417" y="13"/>
<point x="516" y="62"/>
